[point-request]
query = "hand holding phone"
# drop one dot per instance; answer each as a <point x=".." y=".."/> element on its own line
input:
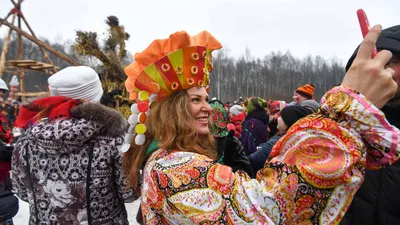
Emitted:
<point x="364" y="25"/>
<point x="371" y="77"/>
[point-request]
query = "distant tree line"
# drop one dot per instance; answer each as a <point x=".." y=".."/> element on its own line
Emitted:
<point x="275" y="76"/>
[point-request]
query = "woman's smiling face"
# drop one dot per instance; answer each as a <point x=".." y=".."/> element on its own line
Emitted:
<point x="201" y="110"/>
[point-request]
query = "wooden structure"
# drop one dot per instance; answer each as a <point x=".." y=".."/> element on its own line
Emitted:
<point x="21" y="65"/>
<point x="29" y="65"/>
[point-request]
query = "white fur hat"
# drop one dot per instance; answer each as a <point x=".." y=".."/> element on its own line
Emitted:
<point x="76" y="82"/>
<point x="236" y="110"/>
<point x="3" y="85"/>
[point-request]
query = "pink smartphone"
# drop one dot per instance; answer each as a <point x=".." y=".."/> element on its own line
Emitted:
<point x="364" y="25"/>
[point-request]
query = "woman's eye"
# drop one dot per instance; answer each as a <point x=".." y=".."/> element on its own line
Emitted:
<point x="195" y="100"/>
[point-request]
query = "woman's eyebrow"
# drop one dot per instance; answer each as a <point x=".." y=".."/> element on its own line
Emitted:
<point x="196" y="95"/>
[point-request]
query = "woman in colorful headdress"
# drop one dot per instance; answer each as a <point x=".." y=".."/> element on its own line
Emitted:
<point x="310" y="181"/>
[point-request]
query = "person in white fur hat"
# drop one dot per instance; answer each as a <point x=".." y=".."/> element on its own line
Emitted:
<point x="69" y="157"/>
<point x="236" y="118"/>
<point x="3" y="88"/>
<point x="76" y="82"/>
<point x="236" y="110"/>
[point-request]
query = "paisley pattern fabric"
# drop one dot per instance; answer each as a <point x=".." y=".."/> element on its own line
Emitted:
<point x="311" y="177"/>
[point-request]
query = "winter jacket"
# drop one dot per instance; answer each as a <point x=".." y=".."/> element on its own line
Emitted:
<point x="258" y="158"/>
<point x="5" y="158"/>
<point x="254" y="130"/>
<point x="69" y="170"/>
<point x="5" y="167"/>
<point x="315" y="171"/>
<point x="273" y="126"/>
<point x="377" y="202"/>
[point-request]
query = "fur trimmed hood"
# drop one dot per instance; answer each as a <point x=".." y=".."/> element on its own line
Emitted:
<point x="89" y="122"/>
<point x="113" y="123"/>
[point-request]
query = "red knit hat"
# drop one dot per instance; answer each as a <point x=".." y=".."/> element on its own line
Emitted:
<point x="274" y="106"/>
<point x="307" y="91"/>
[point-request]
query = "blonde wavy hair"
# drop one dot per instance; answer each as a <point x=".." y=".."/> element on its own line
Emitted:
<point x="170" y="123"/>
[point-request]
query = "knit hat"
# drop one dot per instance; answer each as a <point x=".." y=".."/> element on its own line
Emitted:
<point x="255" y="103"/>
<point x="179" y="62"/>
<point x="236" y="110"/>
<point x="291" y="114"/>
<point x="310" y="104"/>
<point x="274" y="106"/>
<point x="76" y="82"/>
<point x="307" y="91"/>
<point x="388" y="40"/>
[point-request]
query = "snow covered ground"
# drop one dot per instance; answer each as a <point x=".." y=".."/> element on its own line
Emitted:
<point x="23" y="214"/>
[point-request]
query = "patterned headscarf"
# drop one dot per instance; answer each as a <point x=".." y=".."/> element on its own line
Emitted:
<point x="219" y="117"/>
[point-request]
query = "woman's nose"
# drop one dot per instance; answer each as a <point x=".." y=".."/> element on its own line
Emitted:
<point x="206" y="107"/>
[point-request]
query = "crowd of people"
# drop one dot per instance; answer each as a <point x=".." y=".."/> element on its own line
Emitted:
<point x="190" y="159"/>
<point x="259" y="123"/>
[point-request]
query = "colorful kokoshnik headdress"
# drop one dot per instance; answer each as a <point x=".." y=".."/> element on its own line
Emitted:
<point x="177" y="63"/>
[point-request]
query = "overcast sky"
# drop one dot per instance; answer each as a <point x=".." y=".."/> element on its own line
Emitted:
<point x="325" y="27"/>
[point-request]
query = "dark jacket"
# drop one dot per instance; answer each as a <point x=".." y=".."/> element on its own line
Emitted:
<point x="258" y="158"/>
<point x="5" y="166"/>
<point x="377" y="202"/>
<point x="70" y="170"/>
<point x="254" y="130"/>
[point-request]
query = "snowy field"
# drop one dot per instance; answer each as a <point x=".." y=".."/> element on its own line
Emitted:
<point x="23" y="214"/>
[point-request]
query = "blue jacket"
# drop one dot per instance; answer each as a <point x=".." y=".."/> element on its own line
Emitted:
<point x="258" y="158"/>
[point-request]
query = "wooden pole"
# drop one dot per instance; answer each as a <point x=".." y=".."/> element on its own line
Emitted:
<point x="33" y="34"/>
<point x="10" y="13"/>
<point x="20" y="49"/>
<point x="17" y="4"/>
<point x="41" y="49"/>
<point x="5" y="49"/>
<point x="41" y="43"/>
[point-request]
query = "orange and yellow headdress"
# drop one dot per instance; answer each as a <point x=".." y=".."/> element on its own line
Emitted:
<point x="177" y="63"/>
